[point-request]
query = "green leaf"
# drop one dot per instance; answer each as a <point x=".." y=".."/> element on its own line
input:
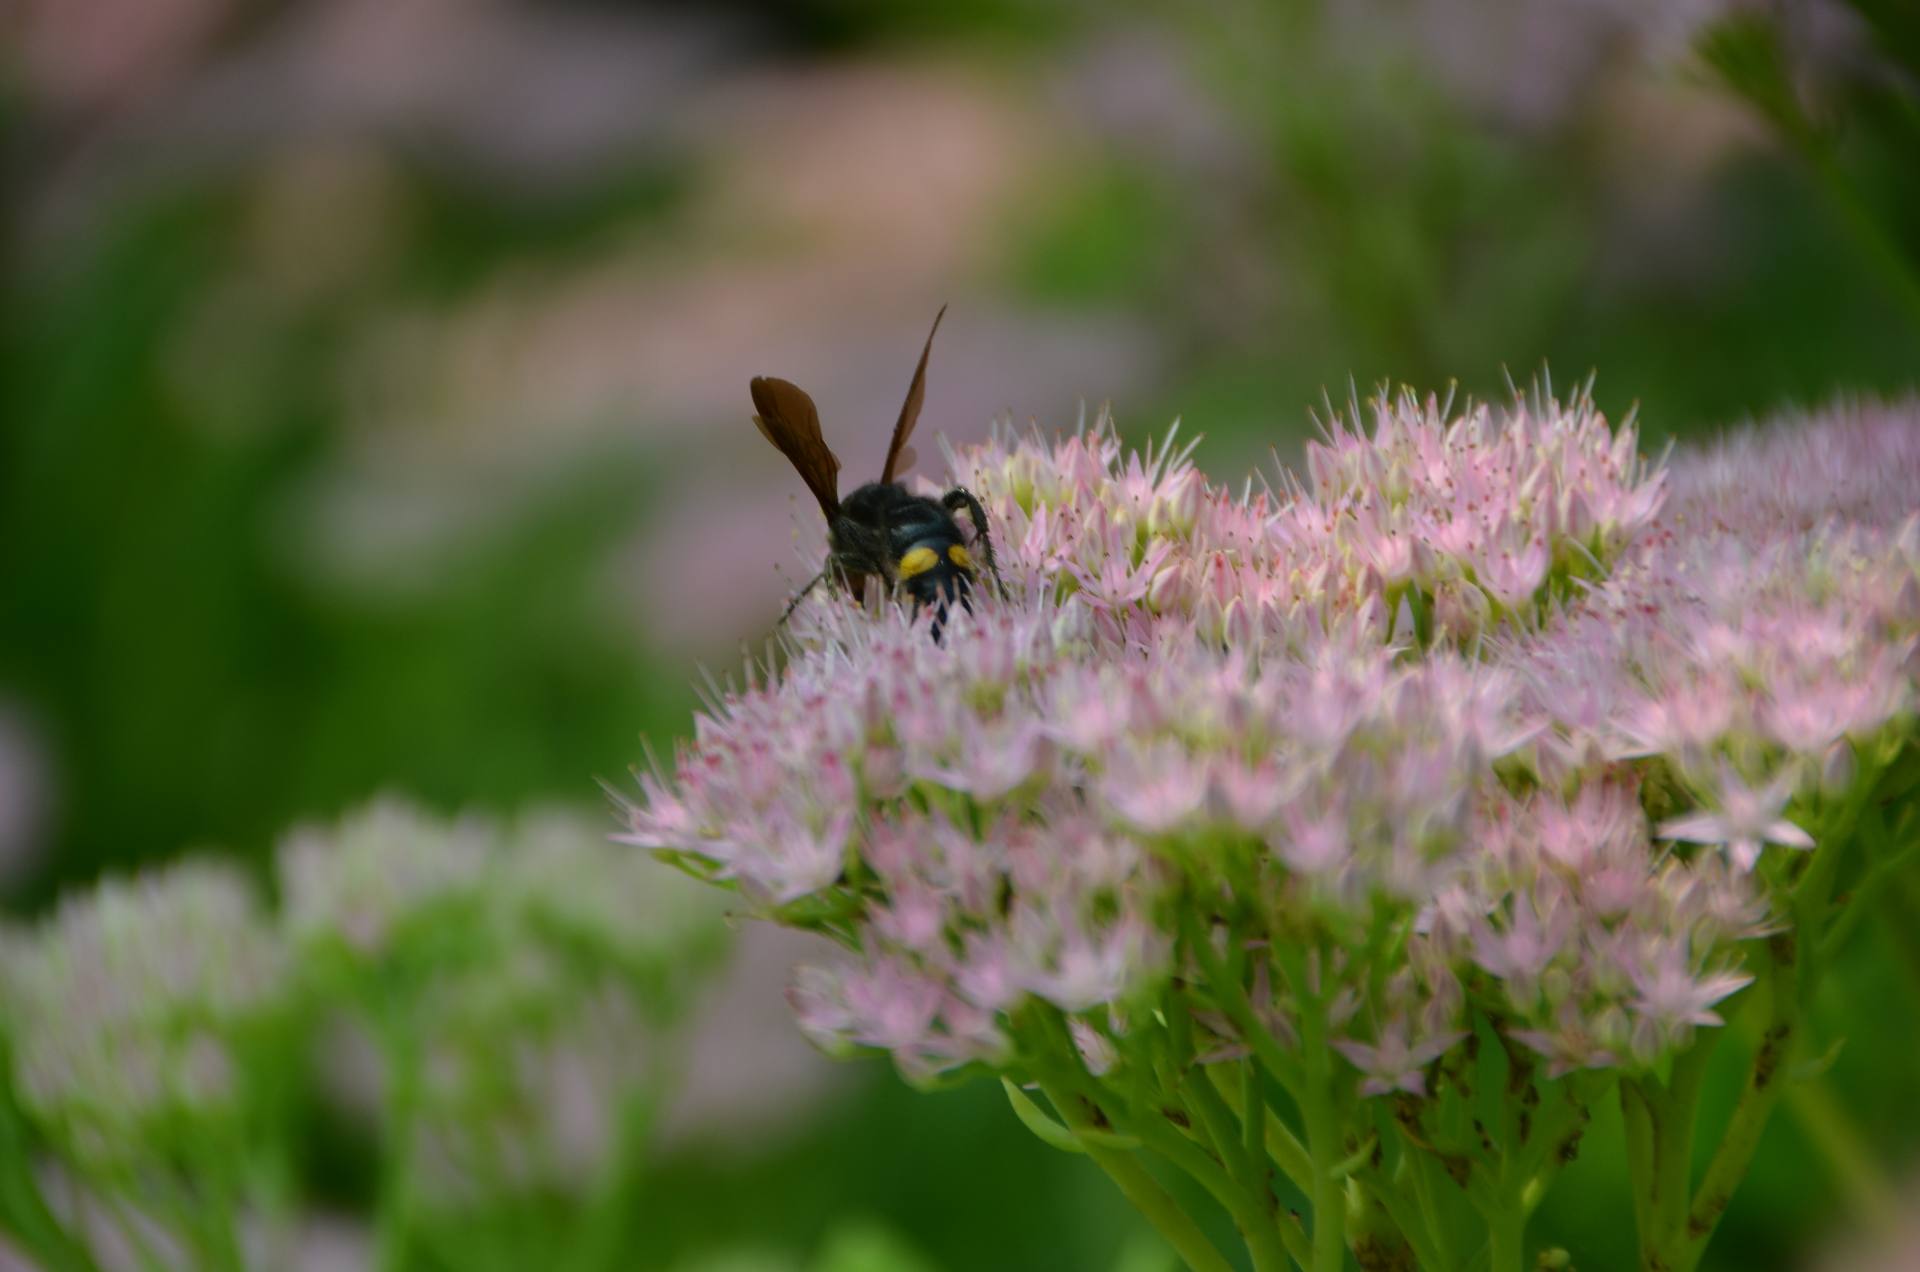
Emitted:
<point x="1063" y="1138"/>
<point x="1049" y="1131"/>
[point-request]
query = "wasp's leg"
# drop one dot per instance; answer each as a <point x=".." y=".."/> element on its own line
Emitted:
<point x="960" y="497"/>
<point x="802" y="595"/>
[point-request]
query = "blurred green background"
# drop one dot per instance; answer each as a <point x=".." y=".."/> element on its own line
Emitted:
<point x="373" y="409"/>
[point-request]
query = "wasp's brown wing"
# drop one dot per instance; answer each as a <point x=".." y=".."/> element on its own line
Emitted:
<point x="910" y="409"/>
<point x="787" y="418"/>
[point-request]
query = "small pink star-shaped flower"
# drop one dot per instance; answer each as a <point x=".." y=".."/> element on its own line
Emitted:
<point x="1746" y="821"/>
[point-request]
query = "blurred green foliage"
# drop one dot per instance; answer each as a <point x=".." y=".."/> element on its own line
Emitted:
<point x="195" y="685"/>
<point x="1854" y="122"/>
<point x="1401" y="239"/>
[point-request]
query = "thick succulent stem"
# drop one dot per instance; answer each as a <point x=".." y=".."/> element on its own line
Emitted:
<point x="1139" y="1187"/>
<point x="1766" y="1078"/>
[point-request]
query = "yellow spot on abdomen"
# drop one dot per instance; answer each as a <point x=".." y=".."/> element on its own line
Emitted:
<point x="959" y="555"/>
<point x="918" y="561"/>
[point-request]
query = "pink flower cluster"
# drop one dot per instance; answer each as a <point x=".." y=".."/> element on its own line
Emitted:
<point x="131" y="1010"/>
<point x="1482" y="518"/>
<point x="1487" y="711"/>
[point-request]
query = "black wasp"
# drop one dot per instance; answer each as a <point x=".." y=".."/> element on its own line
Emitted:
<point x="908" y="541"/>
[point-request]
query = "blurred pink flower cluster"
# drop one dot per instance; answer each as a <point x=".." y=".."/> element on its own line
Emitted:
<point x="1486" y="711"/>
<point x="498" y="1004"/>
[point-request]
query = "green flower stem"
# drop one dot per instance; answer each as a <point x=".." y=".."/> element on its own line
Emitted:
<point x="24" y="1213"/>
<point x="1223" y="1129"/>
<point x="1506" y="1239"/>
<point x="1667" y="1188"/>
<point x="394" y="1214"/>
<point x="604" y="1240"/>
<point x="1500" y="1188"/>
<point x="1323" y="1125"/>
<point x="1421" y="1168"/>
<point x="1261" y="1227"/>
<point x="1253" y="1123"/>
<point x="216" y="1235"/>
<point x="1140" y="1189"/>
<point x="268" y="1179"/>
<point x="1515" y="1129"/>
<point x="1408" y="1219"/>
<point x="1233" y="1000"/>
<point x="1557" y="1133"/>
<point x="1058" y="1062"/>
<point x="1282" y="1146"/>
<point x="1511" y="1177"/>
<point x="1417" y="1180"/>
<point x="1637" y="1118"/>
<point x="1672" y="1108"/>
<point x="1247" y="1165"/>
<point x="1506" y="1211"/>
<point x="1765" y="1079"/>
<point x="1862" y="1183"/>
<point x="1323" y="1138"/>
<point x="1675" y="1220"/>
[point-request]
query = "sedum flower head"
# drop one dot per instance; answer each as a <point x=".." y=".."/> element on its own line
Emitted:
<point x="132" y="1009"/>
<point x="518" y="983"/>
<point x="1482" y="711"/>
<point x="562" y="879"/>
<point x="384" y="874"/>
<point x="1509" y="504"/>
